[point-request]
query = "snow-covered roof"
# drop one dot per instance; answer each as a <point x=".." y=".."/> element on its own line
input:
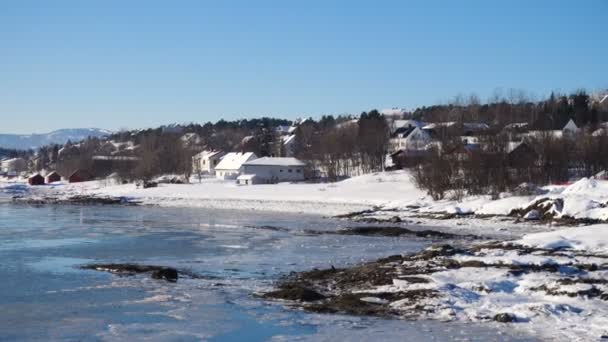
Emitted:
<point x="207" y="154"/>
<point x="394" y="111"/>
<point x="234" y="160"/>
<point x="516" y="125"/>
<point x="116" y="158"/>
<point x="512" y="145"/>
<point x="475" y="125"/>
<point x="288" y="139"/>
<point x="284" y="161"/>
<point x="435" y="125"/>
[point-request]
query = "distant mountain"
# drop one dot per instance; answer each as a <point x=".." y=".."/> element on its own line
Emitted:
<point x="61" y="136"/>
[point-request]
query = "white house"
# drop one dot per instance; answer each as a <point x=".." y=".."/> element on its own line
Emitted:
<point x="230" y="166"/>
<point x="410" y="139"/>
<point x="272" y="170"/>
<point x="288" y="145"/>
<point x="396" y="124"/>
<point x="13" y="166"/>
<point x="206" y="161"/>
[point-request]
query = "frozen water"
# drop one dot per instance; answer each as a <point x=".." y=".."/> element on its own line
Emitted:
<point x="45" y="296"/>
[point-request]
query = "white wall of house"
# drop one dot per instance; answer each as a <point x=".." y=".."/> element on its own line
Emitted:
<point x="275" y="173"/>
<point x="570" y="127"/>
<point x="15" y="165"/>
<point x="227" y="174"/>
<point x="416" y="140"/>
<point x="205" y="162"/>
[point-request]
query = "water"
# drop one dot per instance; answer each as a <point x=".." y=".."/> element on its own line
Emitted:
<point x="45" y="296"/>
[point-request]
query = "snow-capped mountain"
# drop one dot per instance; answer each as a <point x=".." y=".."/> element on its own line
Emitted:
<point x="61" y="136"/>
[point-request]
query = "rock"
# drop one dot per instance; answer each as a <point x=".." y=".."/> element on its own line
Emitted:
<point x="147" y="185"/>
<point x="395" y="219"/>
<point x="532" y="215"/>
<point x="505" y="318"/>
<point x="473" y="263"/>
<point x="157" y="272"/>
<point x="168" y="274"/>
<point x="296" y="293"/>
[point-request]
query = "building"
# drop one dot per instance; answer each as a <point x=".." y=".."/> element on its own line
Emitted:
<point x="545" y="125"/>
<point x="409" y="138"/>
<point x="270" y="170"/>
<point x="230" y="166"/>
<point x="36" y="179"/>
<point x="53" y="177"/>
<point x="80" y="176"/>
<point x="206" y="161"/>
<point x="104" y="165"/>
<point x="14" y="165"/>
<point x="288" y="145"/>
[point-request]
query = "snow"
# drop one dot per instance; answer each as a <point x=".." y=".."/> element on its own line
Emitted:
<point x="234" y="160"/>
<point x="589" y="238"/>
<point x="468" y="293"/>
<point x="276" y="161"/>
<point x="473" y="294"/>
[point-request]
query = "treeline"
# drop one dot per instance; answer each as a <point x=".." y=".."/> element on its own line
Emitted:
<point x="14" y="153"/>
<point x="343" y="147"/>
<point x="496" y="166"/>
<point x="518" y="107"/>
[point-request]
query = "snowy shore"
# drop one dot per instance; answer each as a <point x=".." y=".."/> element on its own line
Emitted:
<point x="383" y="195"/>
<point x="549" y="279"/>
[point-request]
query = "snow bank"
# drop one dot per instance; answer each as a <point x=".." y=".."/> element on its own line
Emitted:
<point x="589" y="239"/>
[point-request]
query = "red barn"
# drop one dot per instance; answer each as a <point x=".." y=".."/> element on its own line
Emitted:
<point x="53" y="177"/>
<point x="36" y="179"/>
<point x="80" y="176"/>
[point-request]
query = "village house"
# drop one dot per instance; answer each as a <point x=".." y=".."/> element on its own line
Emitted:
<point x="230" y="166"/>
<point x="546" y="125"/>
<point x="288" y="145"/>
<point x="80" y="176"/>
<point x="268" y="170"/>
<point x="407" y="124"/>
<point x="36" y="179"/>
<point x="409" y="138"/>
<point x="102" y="166"/>
<point x="521" y="154"/>
<point x="206" y="161"/>
<point x="13" y="166"/>
<point x="53" y="177"/>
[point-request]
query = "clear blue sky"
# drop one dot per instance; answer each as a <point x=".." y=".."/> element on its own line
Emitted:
<point x="134" y="64"/>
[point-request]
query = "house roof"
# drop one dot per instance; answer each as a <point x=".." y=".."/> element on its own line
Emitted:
<point x="288" y="139"/>
<point x="207" y="154"/>
<point x="404" y="131"/>
<point x="435" y="125"/>
<point x="272" y="161"/>
<point x="234" y="160"/>
<point x="546" y="122"/>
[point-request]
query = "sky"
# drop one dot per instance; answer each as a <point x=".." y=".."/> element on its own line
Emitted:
<point x="137" y="64"/>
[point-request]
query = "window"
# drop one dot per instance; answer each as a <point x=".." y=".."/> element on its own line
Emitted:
<point x="290" y="170"/>
<point x="281" y="170"/>
<point x="298" y="170"/>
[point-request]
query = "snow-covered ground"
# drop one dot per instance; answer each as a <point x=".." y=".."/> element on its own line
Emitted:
<point x="394" y="192"/>
<point x="556" y="307"/>
<point x="559" y="289"/>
